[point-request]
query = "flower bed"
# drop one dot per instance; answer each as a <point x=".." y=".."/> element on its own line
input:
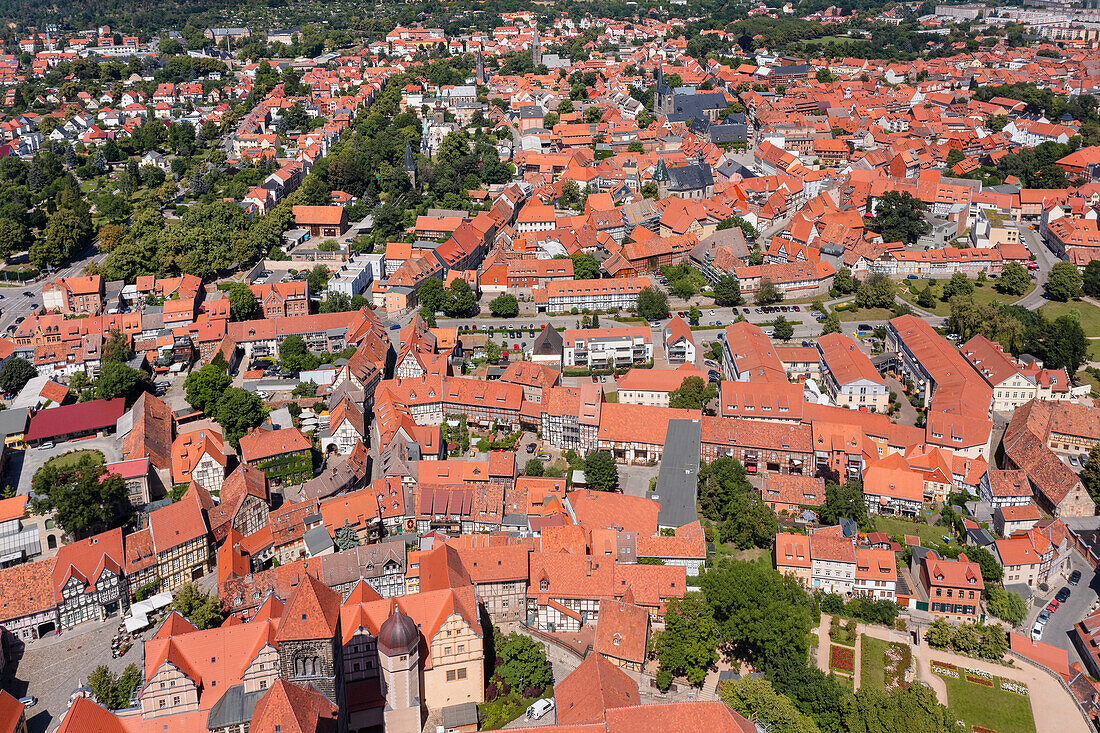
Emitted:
<point x="842" y="658"/>
<point x="1012" y="686"/>
<point x="979" y="680"/>
<point x="945" y="669"/>
<point x="895" y="663"/>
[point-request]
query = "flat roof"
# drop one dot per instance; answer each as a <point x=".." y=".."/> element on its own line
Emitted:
<point x="678" y="479"/>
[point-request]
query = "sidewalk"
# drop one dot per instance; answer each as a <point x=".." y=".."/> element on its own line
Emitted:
<point x="1051" y="706"/>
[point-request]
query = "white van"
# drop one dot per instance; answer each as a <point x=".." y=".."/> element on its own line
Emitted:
<point x="539" y="708"/>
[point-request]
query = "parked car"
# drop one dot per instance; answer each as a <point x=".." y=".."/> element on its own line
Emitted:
<point x="395" y="327"/>
<point x="29" y="701"/>
<point x="864" y="327"/>
<point x="1037" y="632"/>
<point x="47" y="445"/>
<point x="1073" y="461"/>
<point x="539" y="708"/>
<point x="1062" y="595"/>
<point x="28" y="294"/>
<point x="1053" y="606"/>
<point x="796" y="309"/>
<point x="1075" y="577"/>
<point x="531" y="447"/>
<point x="595" y="378"/>
<point x="1043" y="617"/>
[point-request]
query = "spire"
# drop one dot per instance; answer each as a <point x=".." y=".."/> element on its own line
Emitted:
<point x="661" y="174"/>
<point x="409" y="164"/>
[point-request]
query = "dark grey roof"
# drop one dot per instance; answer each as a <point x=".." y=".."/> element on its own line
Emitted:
<point x="15" y="421"/>
<point x="979" y="536"/>
<point x="234" y="708"/>
<point x="691" y="177"/>
<point x="458" y="715"/>
<point x="318" y="540"/>
<point x="694" y="106"/>
<point x="728" y="133"/>
<point x="730" y="167"/>
<point x="678" y="479"/>
<point x="548" y="343"/>
<point x="793" y="70"/>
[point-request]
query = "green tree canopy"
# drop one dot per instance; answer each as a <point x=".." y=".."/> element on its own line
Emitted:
<point x="504" y="305"/>
<point x="1014" y="279"/>
<point x="784" y="329"/>
<point x="688" y="646"/>
<point x="727" y="292"/>
<point x="1064" y="282"/>
<point x="692" y="394"/>
<point x="585" y="266"/>
<point x="754" y="697"/>
<point x="521" y="662"/>
<point x="1004" y="604"/>
<point x="899" y="217"/>
<point x="238" y="411"/>
<point x="844" y="501"/>
<point x="84" y="497"/>
<point x="600" y="471"/>
<point x="118" y="380"/>
<point x="204" y="387"/>
<point x="242" y="303"/>
<point x="15" y="374"/>
<point x="201" y="609"/>
<point x="652" y="304"/>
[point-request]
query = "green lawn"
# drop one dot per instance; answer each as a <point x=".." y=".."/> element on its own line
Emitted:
<point x="982" y="296"/>
<point x="865" y="314"/>
<point x="873" y="662"/>
<point x="1089" y="314"/>
<point x="1094" y="352"/>
<point x="1083" y="377"/>
<point x="989" y="707"/>
<point x="70" y="459"/>
<point x="895" y="526"/>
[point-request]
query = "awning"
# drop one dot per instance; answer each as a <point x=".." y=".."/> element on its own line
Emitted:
<point x="137" y="622"/>
<point x="160" y="600"/>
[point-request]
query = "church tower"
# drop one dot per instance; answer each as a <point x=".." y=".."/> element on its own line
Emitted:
<point x="662" y="95"/>
<point x="310" y="649"/>
<point x="399" y="660"/>
<point x="409" y="165"/>
<point x="661" y="178"/>
<point x="480" y="77"/>
<point x="536" y="50"/>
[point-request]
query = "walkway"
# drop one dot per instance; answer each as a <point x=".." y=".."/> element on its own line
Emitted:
<point x="824" y="642"/>
<point x="1051" y="705"/>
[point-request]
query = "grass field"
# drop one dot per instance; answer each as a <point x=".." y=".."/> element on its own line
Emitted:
<point x="1089" y="314"/>
<point x="989" y="707"/>
<point x="926" y="532"/>
<point x="865" y="314"/>
<point x="70" y="459"/>
<point x="982" y="296"/>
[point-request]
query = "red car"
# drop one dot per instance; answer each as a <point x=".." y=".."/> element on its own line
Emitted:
<point x="1052" y="606"/>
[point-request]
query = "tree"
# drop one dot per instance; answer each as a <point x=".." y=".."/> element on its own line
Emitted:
<point x="204" y="387"/>
<point x="238" y="411"/>
<point x="768" y="293"/>
<point x="831" y="324"/>
<point x="432" y="295"/>
<point x="85" y="498"/>
<point x="843" y="283"/>
<point x="522" y="663"/>
<point x="958" y="285"/>
<point x="118" y="380"/>
<point x="692" y="394"/>
<point x="242" y="303"/>
<point x="899" y="218"/>
<point x="689" y="644"/>
<point x="1014" y="279"/>
<point x="913" y="709"/>
<point x="754" y="697"/>
<point x="1090" y="476"/>
<point x="955" y="156"/>
<point x="652" y="304"/>
<point x="925" y="298"/>
<point x="844" y="501"/>
<point x="1005" y="604"/>
<point x="295" y="356"/>
<point x="727" y="292"/>
<point x="533" y="467"/>
<point x="682" y="287"/>
<point x="720" y="482"/>
<point x="202" y="610"/>
<point x="504" y="305"/>
<point x="13" y="237"/>
<point x="600" y="471"/>
<point x="784" y="329"/>
<point x="1064" y="282"/>
<point x="876" y="292"/>
<point x="462" y="301"/>
<point x="694" y="314"/>
<point x="114" y="692"/>
<point x="1063" y="344"/>
<point x="15" y="374"/>
<point x="585" y="266"/>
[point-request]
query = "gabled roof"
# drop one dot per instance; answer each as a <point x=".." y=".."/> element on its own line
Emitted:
<point x="312" y="612"/>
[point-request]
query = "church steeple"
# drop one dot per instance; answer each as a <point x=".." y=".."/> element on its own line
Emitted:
<point x="409" y="164"/>
<point x="480" y="77"/>
<point x="662" y="94"/>
<point x="536" y="50"/>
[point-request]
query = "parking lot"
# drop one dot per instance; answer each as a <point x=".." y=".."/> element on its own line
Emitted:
<point x="1082" y="601"/>
<point x="22" y="465"/>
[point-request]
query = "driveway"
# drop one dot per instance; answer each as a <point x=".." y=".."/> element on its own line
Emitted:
<point x="23" y="464"/>
<point x="1081" y="602"/>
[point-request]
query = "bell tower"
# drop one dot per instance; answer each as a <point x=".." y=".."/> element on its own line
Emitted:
<point x="399" y="660"/>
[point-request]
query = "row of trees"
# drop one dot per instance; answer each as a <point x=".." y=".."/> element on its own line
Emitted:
<point x="236" y="410"/>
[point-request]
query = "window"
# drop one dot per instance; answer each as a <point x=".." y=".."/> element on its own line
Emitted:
<point x="450" y="675"/>
<point x="462" y="673"/>
<point x="461" y="648"/>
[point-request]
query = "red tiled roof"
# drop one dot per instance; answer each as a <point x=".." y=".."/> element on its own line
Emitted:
<point x="79" y="418"/>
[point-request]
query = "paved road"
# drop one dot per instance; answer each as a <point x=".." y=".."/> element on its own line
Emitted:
<point x="1046" y="260"/>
